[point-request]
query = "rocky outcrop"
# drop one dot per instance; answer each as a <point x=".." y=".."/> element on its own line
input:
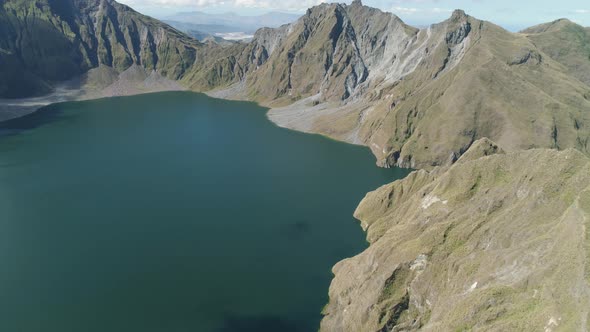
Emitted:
<point x="496" y="242"/>
<point x="54" y="41"/>
<point x="318" y="53"/>
<point x="526" y="56"/>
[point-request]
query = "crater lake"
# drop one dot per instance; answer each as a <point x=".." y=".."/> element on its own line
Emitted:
<point x="173" y="212"/>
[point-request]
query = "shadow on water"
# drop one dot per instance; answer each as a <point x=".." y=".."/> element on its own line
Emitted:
<point x="297" y="229"/>
<point x="34" y="120"/>
<point x="259" y="324"/>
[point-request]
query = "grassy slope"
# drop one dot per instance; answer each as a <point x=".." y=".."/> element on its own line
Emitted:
<point x="493" y="243"/>
<point x="566" y="42"/>
<point x="45" y="41"/>
<point x="503" y="88"/>
<point x="34" y="53"/>
<point x="533" y="104"/>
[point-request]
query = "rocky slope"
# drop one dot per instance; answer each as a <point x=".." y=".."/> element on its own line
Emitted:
<point x="417" y="98"/>
<point x="565" y="42"/>
<point x="420" y="98"/>
<point x="497" y="242"/>
<point x="43" y="42"/>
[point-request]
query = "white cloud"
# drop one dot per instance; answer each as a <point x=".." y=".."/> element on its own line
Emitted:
<point x="412" y="10"/>
<point x="405" y="10"/>
<point x="441" y="10"/>
<point x="582" y="11"/>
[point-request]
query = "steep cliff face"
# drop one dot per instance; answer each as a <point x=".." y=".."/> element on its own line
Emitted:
<point x="501" y="87"/>
<point x="490" y="238"/>
<point x="46" y="41"/>
<point x="331" y="53"/>
<point x="317" y="53"/>
<point x="429" y="94"/>
<point x="32" y="52"/>
<point x="57" y="40"/>
<point x="496" y="242"/>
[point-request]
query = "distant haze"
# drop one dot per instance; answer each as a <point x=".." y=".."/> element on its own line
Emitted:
<point x="512" y="15"/>
<point x="229" y="26"/>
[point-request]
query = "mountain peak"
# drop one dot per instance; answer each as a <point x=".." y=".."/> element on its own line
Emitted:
<point x="550" y="26"/>
<point x="357" y="3"/>
<point x="562" y="22"/>
<point x="458" y="14"/>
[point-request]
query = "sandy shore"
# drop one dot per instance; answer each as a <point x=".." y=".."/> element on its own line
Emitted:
<point x="100" y="82"/>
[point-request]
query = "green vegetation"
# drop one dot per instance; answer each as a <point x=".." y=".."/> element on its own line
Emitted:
<point x="566" y="42"/>
<point x="505" y="257"/>
<point x="44" y="42"/>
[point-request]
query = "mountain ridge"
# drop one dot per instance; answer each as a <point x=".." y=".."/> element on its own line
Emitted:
<point x="91" y="34"/>
<point x="495" y="242"/>
<point x="351" y="72"/>
<point x="401" y="151"/>
<point x="417" y="97"/>
<point x="492" y="231"/>
<point x="566" y="42"/>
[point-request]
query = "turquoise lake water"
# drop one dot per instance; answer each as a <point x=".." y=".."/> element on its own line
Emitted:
<point x="172" y="212"/>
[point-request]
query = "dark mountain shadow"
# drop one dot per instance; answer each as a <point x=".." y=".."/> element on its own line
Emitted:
<point x="34" y="120"/>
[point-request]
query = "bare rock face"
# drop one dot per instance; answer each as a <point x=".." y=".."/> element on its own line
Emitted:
<point x="495" y="243"/>
<point x="429" y="94"/>
<point x="526" y="56"/>
<point x="316" y="54"/>
<point x="53" y="41"/>
<point x="481" y="148"/>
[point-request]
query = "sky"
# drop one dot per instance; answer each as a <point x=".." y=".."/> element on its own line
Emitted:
<point x="512" y="14"/>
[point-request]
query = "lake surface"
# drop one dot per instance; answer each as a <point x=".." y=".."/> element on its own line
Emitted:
<point x="172" y="212"/>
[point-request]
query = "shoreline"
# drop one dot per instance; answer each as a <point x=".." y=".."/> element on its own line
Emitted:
<point x="28" y="106"/>
<point x="15" y="108"/>
<point x="100" y="82"/>
<point x="294" y="117"/>
<point x="11" y="109"/>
